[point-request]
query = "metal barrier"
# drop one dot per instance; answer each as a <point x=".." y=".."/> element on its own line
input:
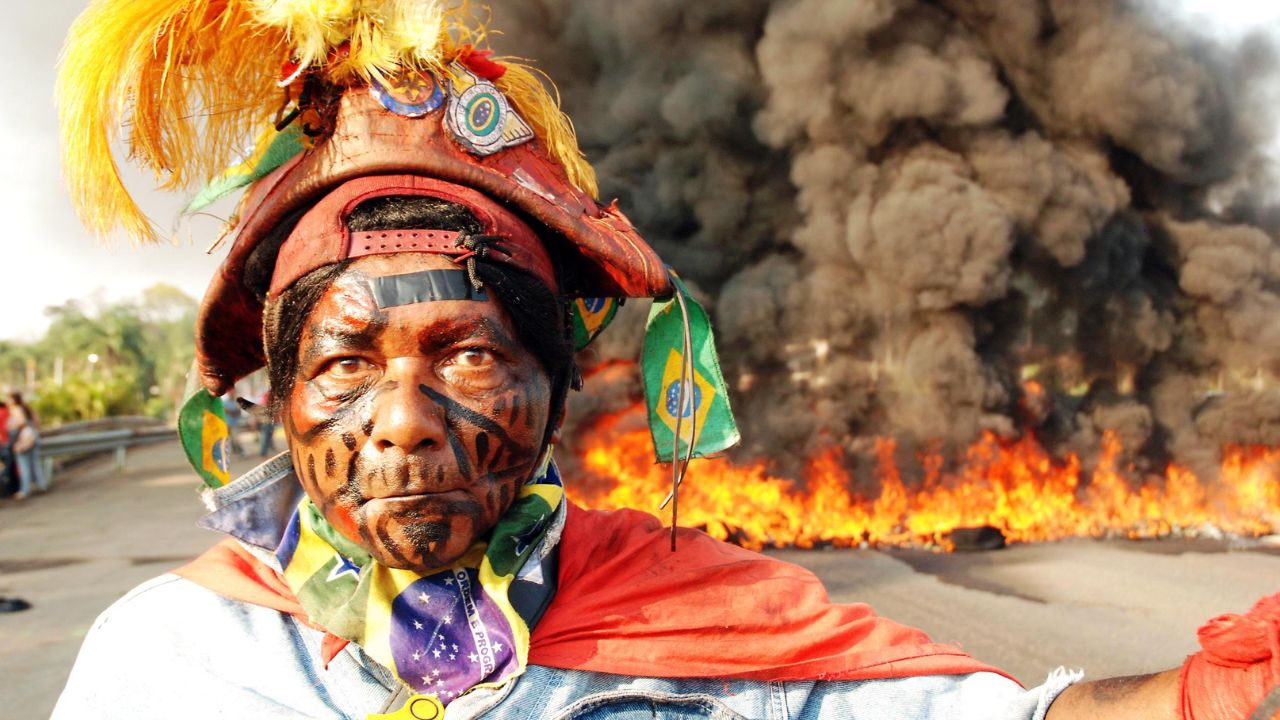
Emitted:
<point x="70" y="444"/>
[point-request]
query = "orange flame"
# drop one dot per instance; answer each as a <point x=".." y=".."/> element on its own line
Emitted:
<point x="1013" y="486"/>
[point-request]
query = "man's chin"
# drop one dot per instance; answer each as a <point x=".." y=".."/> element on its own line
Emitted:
<point x="432" y="561"/>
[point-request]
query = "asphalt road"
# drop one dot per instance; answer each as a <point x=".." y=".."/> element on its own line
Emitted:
<point x="1110" y="607"/>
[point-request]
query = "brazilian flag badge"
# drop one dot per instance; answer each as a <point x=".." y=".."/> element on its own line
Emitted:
<point x="202" y="427"/>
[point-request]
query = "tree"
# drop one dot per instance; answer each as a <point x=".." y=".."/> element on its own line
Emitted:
<point x="98" y="359"/>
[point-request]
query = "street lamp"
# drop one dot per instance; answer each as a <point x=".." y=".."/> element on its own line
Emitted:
<point x="93" y="361"/>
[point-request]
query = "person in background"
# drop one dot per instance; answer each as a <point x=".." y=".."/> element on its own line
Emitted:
<point x="7" y="604"/>
<point x="8" y="480"/>
<point x="24" y="434"/>
<point x="266" y="427"/>
<point x="231" y="409"/>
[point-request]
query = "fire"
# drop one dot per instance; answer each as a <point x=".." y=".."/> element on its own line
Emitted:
<point x="1013" y="486"/>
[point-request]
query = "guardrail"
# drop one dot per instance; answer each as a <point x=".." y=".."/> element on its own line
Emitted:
<point x="80" y="443"/>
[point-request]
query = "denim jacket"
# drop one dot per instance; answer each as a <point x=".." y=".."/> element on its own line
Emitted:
<point x="174" y="649"/>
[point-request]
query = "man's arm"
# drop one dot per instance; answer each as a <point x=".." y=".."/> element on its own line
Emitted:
<point x="1137" y="697"/>
<point x="1238" y="666"/>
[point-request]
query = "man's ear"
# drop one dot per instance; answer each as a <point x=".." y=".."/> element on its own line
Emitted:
<point x="559" y="424"/>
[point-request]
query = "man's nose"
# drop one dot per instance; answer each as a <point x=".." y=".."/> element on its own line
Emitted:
<point x="403" y="416"/>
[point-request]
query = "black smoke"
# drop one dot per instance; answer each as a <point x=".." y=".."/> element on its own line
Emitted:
<point x="901" y="211"/>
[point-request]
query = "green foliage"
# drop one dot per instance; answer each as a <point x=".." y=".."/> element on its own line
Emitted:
<point x="80" y="398"/>
<point x="124" y="358"/>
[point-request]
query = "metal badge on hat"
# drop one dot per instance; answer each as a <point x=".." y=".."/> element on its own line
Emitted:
<point x="409" y="92"/>
<point x="479" y="116"/>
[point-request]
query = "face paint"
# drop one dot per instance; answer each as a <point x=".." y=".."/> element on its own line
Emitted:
<point x="401" y="415"/>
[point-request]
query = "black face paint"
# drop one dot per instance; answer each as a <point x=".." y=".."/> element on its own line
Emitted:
<point x="459" y="450"/>
<point x="454" y="410"/>
<point x="424" y="286"/>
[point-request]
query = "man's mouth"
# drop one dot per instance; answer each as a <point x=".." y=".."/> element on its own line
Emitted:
<point x="410" y="497"/>
<point x="412" y="480"/>
<point x="404" y="479"/>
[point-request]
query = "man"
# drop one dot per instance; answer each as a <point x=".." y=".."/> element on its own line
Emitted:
<point x="414" y="248"/>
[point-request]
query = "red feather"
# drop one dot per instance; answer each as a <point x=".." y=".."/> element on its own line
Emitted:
<point x="478" y="62"/>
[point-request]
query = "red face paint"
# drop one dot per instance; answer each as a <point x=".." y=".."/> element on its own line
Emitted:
<point x="348" y="306"/>
<point x="341" y="519"/>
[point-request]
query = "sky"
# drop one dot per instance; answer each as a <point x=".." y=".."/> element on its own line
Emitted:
<point x="50" y="258"/>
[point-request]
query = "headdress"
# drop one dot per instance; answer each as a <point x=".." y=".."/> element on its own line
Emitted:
<point x="347" y="100"/>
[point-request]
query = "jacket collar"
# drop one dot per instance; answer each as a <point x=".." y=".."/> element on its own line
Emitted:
<point x="256" y="507"/>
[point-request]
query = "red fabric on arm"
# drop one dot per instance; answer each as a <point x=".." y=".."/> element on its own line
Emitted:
<point x="628" y="605"/>
<point x="1238" y="665"/>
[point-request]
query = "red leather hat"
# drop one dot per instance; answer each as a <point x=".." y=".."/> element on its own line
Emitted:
<point x="322" y="236"/>
<point x="520" y="193"/>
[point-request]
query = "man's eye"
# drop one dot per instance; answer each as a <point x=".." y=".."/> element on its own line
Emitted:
<point x="473" y="358"/>
<point x="348" y="367"/>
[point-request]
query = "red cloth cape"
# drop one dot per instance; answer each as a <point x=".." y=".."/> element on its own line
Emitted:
<point x="627" y="605"/>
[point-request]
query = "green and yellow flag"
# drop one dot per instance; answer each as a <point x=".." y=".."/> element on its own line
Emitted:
<point x="202" y="427"/>
<point x="590" y="317"/>
<point x="683" y="385"/>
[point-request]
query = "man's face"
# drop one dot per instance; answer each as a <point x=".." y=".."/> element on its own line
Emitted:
<point x="412" y="426"/>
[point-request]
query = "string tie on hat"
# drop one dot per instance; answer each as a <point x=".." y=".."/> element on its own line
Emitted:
<point x="477" y="246"/>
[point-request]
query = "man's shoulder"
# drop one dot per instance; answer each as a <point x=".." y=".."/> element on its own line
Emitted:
<point x="170" y="622"/>
<point x="170" y="606"/>
<point x="170" y="643"/>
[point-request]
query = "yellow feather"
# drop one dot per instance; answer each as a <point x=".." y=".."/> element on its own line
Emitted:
<point x="418" y="28"/>
<point x="190" y="78"/>
<point x="193" y="80"/>
<point x="313" y="27"/>
<point x="523" y="86"/>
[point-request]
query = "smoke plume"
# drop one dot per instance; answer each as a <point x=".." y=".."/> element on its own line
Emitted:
<point x="933" y="219"/>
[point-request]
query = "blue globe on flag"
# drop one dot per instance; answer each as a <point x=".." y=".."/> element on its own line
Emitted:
<point x="221" y="453"/>
<point x="673" y="399"/>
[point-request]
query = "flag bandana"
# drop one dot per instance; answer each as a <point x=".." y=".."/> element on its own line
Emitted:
<point x="444" y="633"/>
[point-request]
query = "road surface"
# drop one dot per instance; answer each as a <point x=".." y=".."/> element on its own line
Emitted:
<point x="1111" y="607"/>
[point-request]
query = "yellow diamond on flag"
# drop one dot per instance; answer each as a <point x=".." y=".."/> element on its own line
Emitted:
<point x="697" y="398"/>
<point x="215" y="447"/>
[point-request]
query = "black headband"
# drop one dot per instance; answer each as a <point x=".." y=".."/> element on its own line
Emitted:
<point x="395" y="290"/>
